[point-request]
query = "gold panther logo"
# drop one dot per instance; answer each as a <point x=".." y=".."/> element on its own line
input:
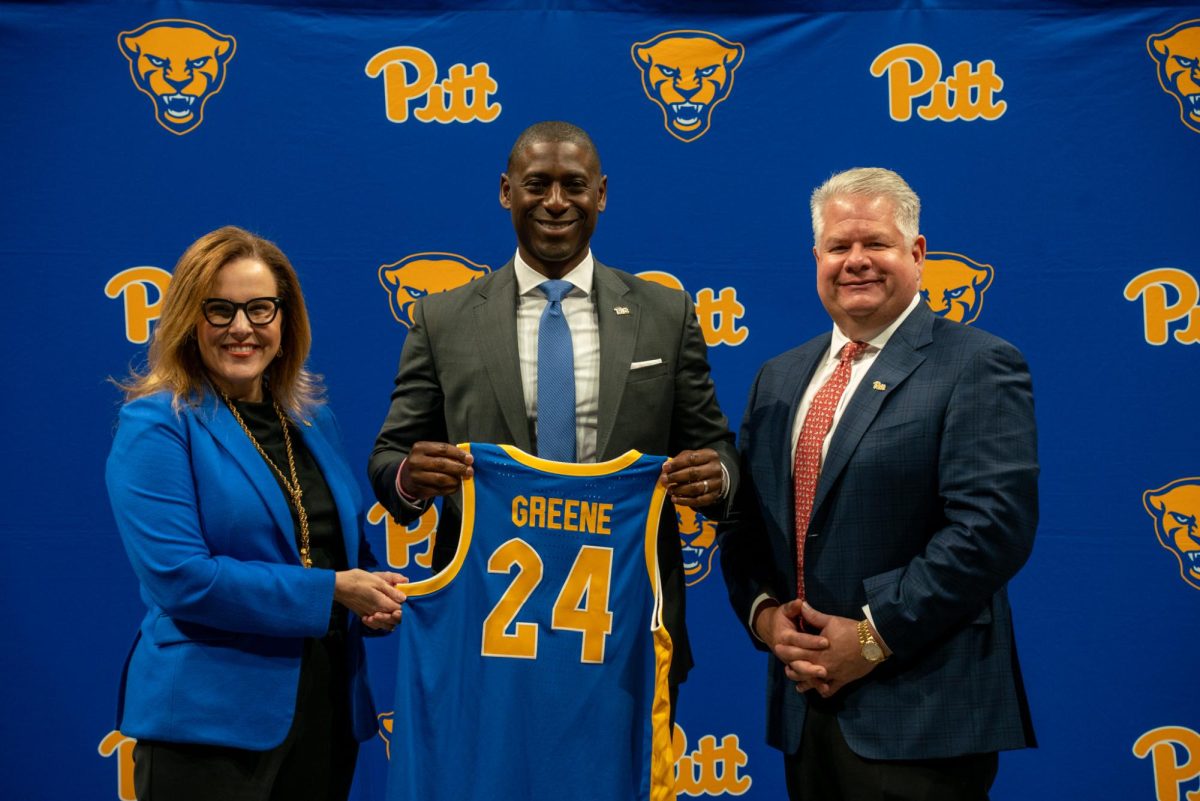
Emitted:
<point x="697" y="541"/>
<point x="1177" y="54"/>
<point x="687" y="73"/>
<point x="953" y="286"/>
<point x="1176" y="510"/>
<point x="179" y="64"/>
<point x="421" y="274"/>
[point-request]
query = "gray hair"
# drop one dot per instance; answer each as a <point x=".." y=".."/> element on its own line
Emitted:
<point x="870" y="182"/>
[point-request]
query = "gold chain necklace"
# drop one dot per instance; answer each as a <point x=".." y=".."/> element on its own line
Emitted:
<point x="293" y="486"/>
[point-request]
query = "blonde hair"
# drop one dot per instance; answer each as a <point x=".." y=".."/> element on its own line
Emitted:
<point x="174" y="363"/>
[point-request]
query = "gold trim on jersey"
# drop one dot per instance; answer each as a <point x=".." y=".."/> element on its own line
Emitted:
<point x="571" y="468"/>
<point x="662" y="749"/>
<point x="444" y="576"/>
<point x="662" y="752"/>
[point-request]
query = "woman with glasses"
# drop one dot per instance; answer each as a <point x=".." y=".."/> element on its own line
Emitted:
<point x="244" y="527"/>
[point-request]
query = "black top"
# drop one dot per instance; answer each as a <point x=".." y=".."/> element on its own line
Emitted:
<point x="326" y="546"/>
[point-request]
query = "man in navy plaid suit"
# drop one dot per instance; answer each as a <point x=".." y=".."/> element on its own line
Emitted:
<point x="901" y="450"/>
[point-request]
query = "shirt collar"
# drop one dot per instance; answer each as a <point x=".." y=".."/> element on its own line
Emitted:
<point x="528" y="279"/>
<point x="876" y="342"/>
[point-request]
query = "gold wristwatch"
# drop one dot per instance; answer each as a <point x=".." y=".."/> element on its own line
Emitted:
<point x="869" y="648"/>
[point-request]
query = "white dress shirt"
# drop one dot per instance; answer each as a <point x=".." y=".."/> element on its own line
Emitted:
<point x="579" y="307"/>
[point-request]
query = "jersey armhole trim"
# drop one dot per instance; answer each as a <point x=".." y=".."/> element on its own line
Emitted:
<point x="443" y="577"/>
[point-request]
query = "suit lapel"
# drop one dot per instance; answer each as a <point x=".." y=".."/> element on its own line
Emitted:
<point x="894" y="364"/>
<point x="496" y="335"/>
<point x="216" y="417"/>
<point x="618" y="336"/>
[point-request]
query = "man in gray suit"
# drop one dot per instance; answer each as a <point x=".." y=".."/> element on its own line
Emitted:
<point x="889" y="492"/>
<point x="469" y="368"/>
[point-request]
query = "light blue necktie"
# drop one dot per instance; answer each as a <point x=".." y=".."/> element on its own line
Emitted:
<point x="556" y="378"/>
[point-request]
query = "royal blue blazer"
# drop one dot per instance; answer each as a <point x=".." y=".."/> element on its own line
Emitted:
<point x="210" y="536"/>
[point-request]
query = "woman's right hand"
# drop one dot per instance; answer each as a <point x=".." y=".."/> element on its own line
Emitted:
<point x="374" y="597"/>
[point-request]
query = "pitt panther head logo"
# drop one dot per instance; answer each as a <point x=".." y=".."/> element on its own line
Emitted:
<point x="421" y="274"/>
<point x="179" y="64"/>
<point x="1176" y="512"/>
<point x="687" y="73"/>
<point x="697" y="540"/>
<point x="953" y="285"/>
<point x="1177" y="54"/>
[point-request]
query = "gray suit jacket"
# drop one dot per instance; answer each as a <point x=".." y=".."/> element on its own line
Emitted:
<point x="926" y="506"/>
<point x="460" y="381"/>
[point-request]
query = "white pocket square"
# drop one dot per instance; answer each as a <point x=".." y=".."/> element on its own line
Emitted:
<point x="647" y="363"/>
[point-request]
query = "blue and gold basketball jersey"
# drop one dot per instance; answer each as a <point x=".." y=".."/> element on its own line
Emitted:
<point x="534" y="666"/>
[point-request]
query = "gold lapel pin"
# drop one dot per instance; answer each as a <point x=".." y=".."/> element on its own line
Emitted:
<point x="621" y="309"/>
<point x="879" y="386"/>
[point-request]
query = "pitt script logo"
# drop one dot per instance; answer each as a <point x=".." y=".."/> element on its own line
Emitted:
<point x="1177" y="54"/>
<point x="1175" y="756"/>
<point x="1176" y="510"/>
<point x="718" y="313"/>
<point x="953" y="286"/>
<point x="402" y="540"/>
<point x="117" y="744"/>
<point x="136" y="284"/>
<point x="687" y="73"/>
<point x="461" y="96"/>
<point x="1159" y="310"/>
<point x="710" y="769"/>
<point x="697" y="541"/>
<point x="967" y="94"/>
<point x="179" y="65"/>
<point x="420" y="274"/>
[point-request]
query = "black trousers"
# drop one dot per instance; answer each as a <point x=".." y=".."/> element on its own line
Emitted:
<point x="314" y="763"/>
<point x="825" y="769"/>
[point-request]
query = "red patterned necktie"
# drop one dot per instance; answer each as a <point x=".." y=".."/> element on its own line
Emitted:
<point x="808" y="448"/>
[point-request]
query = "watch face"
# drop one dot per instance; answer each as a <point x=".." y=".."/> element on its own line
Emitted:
<point x="872" y="652"/>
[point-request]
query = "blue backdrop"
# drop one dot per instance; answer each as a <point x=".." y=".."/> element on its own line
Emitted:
<point x="1053" y="144"/>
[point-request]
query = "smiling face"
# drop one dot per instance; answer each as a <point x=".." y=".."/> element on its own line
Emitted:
<point x="237" y="355"/>
<point x="866" y="273"/>
<point x="555" y="192"/>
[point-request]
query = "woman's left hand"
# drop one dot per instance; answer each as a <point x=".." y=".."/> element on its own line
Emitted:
<point x="387" y="621"/>
<point x="383" y="621"/>
<point x="374" y="597"/>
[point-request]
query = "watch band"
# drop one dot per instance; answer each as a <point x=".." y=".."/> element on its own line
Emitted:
<point x="869" y="647"/>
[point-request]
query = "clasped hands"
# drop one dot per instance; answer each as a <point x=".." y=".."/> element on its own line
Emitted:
<point x="693" y="478"/>
<point x="374" y="597"/>
<point x="826" y="657"/>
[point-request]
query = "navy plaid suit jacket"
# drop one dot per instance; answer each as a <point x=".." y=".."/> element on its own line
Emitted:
<point x="925" y="508"/>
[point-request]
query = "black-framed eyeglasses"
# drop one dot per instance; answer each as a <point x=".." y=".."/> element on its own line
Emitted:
<point x="259" y="311"/>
